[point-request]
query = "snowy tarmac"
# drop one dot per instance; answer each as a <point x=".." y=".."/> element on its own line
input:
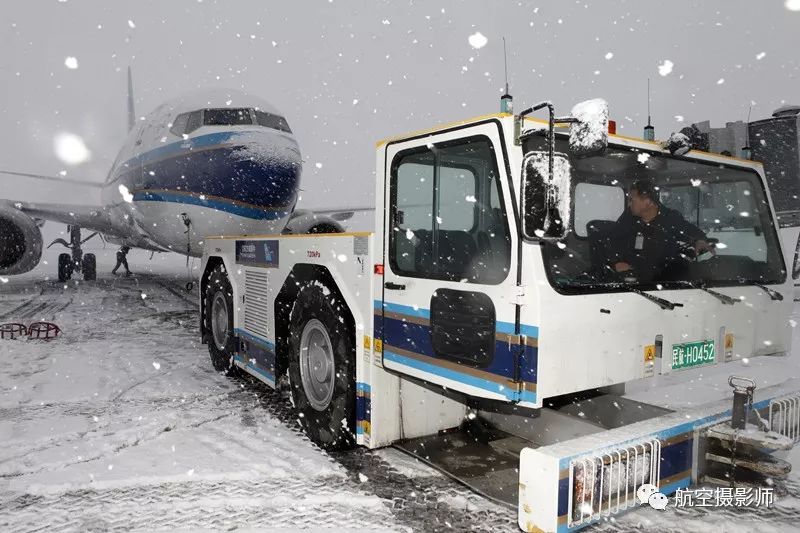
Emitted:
<point x="122" y="425"/>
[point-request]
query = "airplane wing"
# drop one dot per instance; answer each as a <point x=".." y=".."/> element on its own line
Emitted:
<point x="53" y="178"/>
<point x="92" y="217"/>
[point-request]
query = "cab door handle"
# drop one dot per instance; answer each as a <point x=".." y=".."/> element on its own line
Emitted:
<point x="394" y="286"/>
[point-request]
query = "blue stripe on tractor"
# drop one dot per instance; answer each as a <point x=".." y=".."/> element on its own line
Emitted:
<point x="460" y="377"/>
<point x="255" y="338"/>
<point x="501" y="327"/>
<point x="676" y="458"/>
<point x="417" y="338"/>
<point x="674" y="431"/>
<point x="267" y="375"/>
<point x="260" y="350"/>
<point x="363" y="405"/>
<point x="563" y="496"/>
<point x="218" y="204"/>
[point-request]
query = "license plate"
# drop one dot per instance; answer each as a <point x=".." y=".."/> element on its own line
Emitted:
<point x="692" y="354"/>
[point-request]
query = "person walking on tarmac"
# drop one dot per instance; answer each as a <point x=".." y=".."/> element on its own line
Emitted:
<point x="122" y="260"/>
<point x="649" y="236"/>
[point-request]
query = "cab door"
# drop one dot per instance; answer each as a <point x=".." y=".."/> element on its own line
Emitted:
<point x="449" y="263"/>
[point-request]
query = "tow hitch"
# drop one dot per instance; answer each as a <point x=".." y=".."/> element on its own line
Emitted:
<point x="738" y="451"/>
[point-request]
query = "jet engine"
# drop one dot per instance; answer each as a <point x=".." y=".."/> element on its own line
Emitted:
<point x="303" y="221"/>
<point x="20" y="241"/>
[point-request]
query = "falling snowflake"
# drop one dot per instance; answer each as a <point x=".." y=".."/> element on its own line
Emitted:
<point x="477" y="40"/>
<point x="362" y="478"/>
<point x="761" y="56"/>
<point x="156" y="365"/>
<point x="665" y="68"/>
<point x="720" y="81"/>
<point x="642" y="158"/>
<point x="71" y="62"/>
<point x="609" y="55"/>
<point x="126" y="195"/>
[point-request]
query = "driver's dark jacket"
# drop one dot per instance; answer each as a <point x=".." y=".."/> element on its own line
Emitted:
<point x="663" y="239"/>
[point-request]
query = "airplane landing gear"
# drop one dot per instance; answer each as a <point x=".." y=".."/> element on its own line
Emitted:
<point x="76" y="261"/>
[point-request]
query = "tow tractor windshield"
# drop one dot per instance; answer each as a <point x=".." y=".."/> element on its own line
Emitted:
<point x="610" y="248"/>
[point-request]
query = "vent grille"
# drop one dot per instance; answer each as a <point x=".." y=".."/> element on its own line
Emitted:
<point x="606" y="483"/>
<point x="255" y="303"/>
<point x="784" y="416"/>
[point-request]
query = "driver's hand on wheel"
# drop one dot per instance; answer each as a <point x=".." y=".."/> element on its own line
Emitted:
<point x="703" y="246"/>
<point x="622" y="267"/>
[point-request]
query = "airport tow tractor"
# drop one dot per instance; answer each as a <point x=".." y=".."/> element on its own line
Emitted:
<point x="480" y="327"/>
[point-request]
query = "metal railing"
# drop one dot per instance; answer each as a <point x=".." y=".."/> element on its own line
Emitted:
<point x="605" y="483"/>
<point x="784" y="416"/>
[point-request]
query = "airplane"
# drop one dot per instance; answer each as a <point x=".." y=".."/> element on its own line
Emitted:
<point x="210" y="162"/>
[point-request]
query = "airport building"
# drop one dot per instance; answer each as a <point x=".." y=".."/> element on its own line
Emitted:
<point x="774" y="141"/>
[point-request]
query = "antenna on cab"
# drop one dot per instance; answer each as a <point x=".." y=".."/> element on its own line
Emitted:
<point x="506" y="101"/>
<point x="649" y="130"/>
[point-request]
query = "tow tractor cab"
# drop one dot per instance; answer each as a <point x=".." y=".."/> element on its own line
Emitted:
<point x="484" y="318"/>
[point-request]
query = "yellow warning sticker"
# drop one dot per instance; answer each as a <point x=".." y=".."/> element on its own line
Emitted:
<point x="378" y="345"/>
<point x="729" y="341"/>
<point x="650" y="352"/>
<point x="367" y="342"/>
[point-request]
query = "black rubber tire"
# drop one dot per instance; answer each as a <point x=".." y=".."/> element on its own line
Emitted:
<point x="64" y="267"/>
<point x="89" y="267"/>
<point x="325" y="428"/>
<point x="221" y="358"/>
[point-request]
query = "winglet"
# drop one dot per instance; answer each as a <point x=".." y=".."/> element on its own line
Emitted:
<point x="131" y="112"/>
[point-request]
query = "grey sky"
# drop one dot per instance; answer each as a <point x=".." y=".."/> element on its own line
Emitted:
<point x="349" y="73"/>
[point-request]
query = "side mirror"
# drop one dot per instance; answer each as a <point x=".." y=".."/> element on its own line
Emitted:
<point x="588" y="133"/>
<point x="546" y="201"/>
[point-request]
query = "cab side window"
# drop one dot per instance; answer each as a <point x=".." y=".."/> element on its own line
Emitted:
<point x="448" y="218"/>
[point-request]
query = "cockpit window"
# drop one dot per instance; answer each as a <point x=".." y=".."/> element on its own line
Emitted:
<point x="179" y="124"/>
<point x="186" y="123"/>
<point x="195" y="121"/>
<point x="268" y="120"/>
<point x="227" y="117"/>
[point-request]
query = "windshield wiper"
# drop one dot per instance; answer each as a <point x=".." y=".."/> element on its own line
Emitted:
<point x="773" y="294"/>
<point x="724" y="298"/>
<point x="661" y="302"/>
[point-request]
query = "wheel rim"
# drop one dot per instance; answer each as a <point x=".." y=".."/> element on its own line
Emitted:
<point x="317" y="369"/>
<point x="219" y="320"/>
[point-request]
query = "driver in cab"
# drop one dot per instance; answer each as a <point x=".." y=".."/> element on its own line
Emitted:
<point x="649" y="236"/>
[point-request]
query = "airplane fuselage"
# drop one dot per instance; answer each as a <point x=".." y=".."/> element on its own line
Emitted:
<point x="173" y="183"/>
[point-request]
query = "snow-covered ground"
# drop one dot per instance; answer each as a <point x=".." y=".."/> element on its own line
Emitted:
<point x="122" y="424"/>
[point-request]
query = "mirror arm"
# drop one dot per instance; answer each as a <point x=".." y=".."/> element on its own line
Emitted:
<point x="552" y="121"/>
